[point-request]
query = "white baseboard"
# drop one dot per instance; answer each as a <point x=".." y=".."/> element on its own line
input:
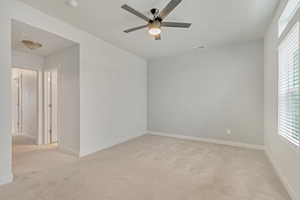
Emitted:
<point x="16" y="134"/>
<point x="68" y="151"/>
<point x="6" y="179"/>
<point x="279" y="171"/>
<point x="30" y="137"/>
<point x="111" y="144"/>
<point x="214" y="141"/>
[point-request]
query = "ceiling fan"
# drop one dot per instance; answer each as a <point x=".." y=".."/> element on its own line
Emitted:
<point x="154" y="25"/>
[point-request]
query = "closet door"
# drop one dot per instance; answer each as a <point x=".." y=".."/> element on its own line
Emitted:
<point x="51" y="128"/>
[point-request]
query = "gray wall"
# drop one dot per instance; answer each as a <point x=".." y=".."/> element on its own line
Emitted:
<point x="205" y="92"/>
<point x="5" y="90"/>
<point x="27" y="60"/>
<point x="67" y="63"/>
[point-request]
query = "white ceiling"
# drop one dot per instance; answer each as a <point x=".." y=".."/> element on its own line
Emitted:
<point x="50" y="42"/>
<point x="215" y="22"/>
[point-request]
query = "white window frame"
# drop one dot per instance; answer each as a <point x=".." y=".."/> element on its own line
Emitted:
<point x="287" y="15"/>
<point x="282" y="35"/>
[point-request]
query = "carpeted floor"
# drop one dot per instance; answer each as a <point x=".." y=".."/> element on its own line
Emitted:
<point x="150" y="168"/>
<point x="30" y="158"/>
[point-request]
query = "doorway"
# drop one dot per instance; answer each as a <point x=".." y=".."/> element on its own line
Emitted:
<point x="25" y="103"/>
<point x="46" y="101"/>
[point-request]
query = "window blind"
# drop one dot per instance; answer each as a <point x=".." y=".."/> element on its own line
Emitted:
<point x="288" y="86"/>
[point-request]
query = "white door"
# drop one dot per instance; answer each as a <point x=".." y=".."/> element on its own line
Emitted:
<point x="51" y="112"/>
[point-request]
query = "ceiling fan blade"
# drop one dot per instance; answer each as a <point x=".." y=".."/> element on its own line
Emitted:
<point x="135" y="12"/>
<point x="176" y="24"/>
<point x="157" y="37"/>
<point x="169" y="8"/>
<point x="135" y="28"/>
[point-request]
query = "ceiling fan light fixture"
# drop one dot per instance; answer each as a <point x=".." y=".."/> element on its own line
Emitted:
<point x="31" y="44"/>
<point x="154" y="31"/>
<point x="154" y="28"/>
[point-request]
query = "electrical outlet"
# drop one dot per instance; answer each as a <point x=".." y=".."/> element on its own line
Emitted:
<point x="228" y="131"/>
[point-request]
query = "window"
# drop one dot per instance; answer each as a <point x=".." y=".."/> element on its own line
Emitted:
<point x="287" y="14"/>
<point x="288" y="86"/>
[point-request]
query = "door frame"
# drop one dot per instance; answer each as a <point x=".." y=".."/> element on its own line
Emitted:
<point x="17" y="125"/>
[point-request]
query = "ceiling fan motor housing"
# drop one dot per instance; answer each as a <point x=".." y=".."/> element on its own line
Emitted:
<point x="156" y="17"/>
<point x="154" y="11"/>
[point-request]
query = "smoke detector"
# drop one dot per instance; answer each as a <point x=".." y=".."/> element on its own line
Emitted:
<point x="199" y="47"/>
<point x="72" y="3"/>
<point x="31" y="44"/>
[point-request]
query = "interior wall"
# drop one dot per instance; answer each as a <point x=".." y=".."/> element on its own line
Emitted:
<point x="285" y="157"/>
<point x="27" y="60"/>
<point x="66" y="62"/>
<point x="113" y="91"/>
<point x="205" y="92"/>
<point x="5" y="90"/>
<point x="113" y="97"/>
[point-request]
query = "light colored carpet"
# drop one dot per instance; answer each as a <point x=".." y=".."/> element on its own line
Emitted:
<point x="30" y="158"/>
<point x="154" y="168"/>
